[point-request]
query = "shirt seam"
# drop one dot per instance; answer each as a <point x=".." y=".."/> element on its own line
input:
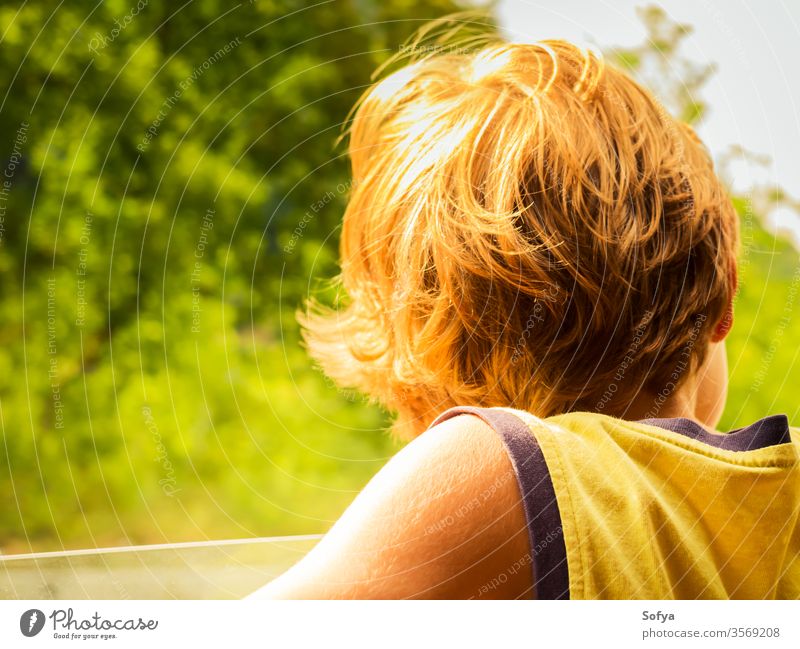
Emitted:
<point x="554" y="463"/>
<point x="723" y="455"/>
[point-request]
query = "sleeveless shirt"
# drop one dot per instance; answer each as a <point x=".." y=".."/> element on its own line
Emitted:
<point x="657" y="508"/>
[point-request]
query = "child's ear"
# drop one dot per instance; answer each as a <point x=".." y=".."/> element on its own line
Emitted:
<point x="726" y="324"/>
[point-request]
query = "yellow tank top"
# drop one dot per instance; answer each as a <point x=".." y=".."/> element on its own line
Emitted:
<point x="655" y="509"/>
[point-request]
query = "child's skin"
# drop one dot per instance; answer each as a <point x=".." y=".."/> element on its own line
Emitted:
<point x="425" y="527"/>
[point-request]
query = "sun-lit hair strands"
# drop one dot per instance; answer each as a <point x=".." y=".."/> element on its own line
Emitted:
<point x="593" y="68"/>
<point x="517" y="213"/>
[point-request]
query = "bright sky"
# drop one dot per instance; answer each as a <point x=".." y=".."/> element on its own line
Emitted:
<point x="754" y="98"/>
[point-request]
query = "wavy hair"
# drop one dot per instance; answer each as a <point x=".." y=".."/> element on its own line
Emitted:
<point x="528" y="227"/>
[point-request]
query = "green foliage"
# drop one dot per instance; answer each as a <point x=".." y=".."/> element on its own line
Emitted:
<point x="764" y="344"/>
<point x="154" y="252"/>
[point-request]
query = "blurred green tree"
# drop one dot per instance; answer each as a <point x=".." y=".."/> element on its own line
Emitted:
<point x="175" y="186"/>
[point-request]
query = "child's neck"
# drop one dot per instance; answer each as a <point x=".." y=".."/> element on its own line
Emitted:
<point x="682" y="403"/>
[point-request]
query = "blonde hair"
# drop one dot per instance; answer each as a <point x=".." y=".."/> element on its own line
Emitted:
<point x="528" y="227"/>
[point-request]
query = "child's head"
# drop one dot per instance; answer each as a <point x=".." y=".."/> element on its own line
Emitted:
<point x="528" y="228"/>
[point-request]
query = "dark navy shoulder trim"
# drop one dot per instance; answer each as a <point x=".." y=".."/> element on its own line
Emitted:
<point x="770" y="431"/>
<point x="545" y="531"/>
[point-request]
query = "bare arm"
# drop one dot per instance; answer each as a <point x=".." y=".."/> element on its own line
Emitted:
<point x="443" y="519"/>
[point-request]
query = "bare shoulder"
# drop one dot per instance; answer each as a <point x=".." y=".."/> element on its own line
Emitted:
<point x="443" y="518"/>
